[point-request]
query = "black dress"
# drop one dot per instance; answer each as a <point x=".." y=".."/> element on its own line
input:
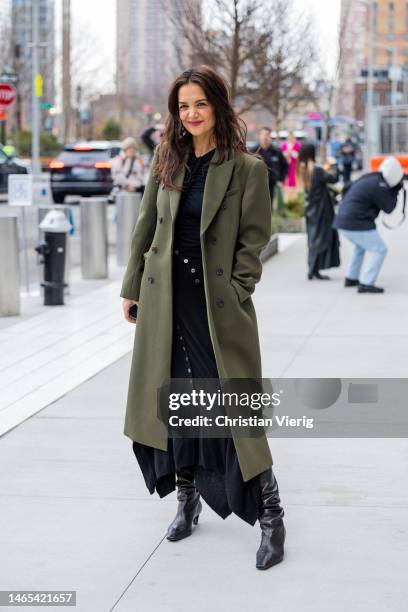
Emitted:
<point x="214" y="460"/>
<point x="323" y="240"/>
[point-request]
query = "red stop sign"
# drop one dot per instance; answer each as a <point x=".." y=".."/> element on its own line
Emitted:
<point x="7" y="94"/>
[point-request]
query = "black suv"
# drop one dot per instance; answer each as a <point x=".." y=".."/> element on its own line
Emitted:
<point x="9" y="165"/>
<point x="83" y="169"/>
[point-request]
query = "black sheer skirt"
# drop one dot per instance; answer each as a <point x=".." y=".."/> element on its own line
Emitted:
<point x="214" y="460"/>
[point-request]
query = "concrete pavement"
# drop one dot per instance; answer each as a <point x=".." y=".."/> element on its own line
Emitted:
<point x="76" y="513"/>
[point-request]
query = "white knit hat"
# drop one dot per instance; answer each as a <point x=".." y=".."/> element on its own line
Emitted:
<point x="129" y="142"/>
<point x="392" y="171"/>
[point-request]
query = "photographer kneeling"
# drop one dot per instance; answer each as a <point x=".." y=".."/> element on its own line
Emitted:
<point x="360" y="206"/>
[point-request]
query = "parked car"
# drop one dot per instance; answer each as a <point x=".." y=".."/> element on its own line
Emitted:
<point x="83" y="169"/>
<point x="9" y="165"/>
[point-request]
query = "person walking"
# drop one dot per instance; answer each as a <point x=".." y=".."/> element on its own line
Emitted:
<point x="362" y="203"/>
<point x="127" y="168"/>
<point x="347" y="155"/>
<point x="276" y="162"/>
<point x="194" y="263"/>
<point x="290" y="150"/>
<point x="322" y="239"/>
<point x="151" y="137"/>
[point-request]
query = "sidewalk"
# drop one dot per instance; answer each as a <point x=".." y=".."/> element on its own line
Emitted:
<point x="78" y="516"/>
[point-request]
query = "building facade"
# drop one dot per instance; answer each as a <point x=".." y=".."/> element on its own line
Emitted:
<point x="22" y="36"/>
<point x="147" y="54"/>
<point x="390" y="54"/>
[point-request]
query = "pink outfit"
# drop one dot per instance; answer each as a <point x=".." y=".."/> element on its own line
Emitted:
<point x="293" y="149"/>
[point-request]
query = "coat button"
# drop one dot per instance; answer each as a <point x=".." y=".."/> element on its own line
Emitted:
<point x="150" y="279"/>
<point x="154" y="249"/>
<point x="213" y="239"/>
<point x="220" y="303"/>
<point x="219" y="271"/>
<point x="161" y="220"/>
<point x="223" y="206"/>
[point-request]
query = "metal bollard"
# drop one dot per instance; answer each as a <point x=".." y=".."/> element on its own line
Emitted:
<point x="128" y="205"/>
<point x="9" y="267"/>
<point x="94" y="238"/>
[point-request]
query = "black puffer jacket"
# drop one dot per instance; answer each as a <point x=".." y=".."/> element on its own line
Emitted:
<point x="363" y="202"/>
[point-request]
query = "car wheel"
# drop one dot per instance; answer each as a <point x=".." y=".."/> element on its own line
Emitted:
<point x="58" y="198"/>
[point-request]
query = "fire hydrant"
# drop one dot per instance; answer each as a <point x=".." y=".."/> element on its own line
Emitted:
<point x="55" y="225"/>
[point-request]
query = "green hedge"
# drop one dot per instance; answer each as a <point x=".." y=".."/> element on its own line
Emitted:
<point x="49" y="144"/>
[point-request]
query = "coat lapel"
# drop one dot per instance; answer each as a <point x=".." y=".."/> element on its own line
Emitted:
<point x="216" y="184"/>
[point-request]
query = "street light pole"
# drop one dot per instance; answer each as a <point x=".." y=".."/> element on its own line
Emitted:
<point x="35" y="137"/>
<point x="394" y="95"/>
<point x="370" y="81"/>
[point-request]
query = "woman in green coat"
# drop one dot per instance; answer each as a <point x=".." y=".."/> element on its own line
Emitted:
<point x="195" y="259"/>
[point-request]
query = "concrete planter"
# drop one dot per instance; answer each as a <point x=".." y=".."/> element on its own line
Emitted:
<point x="271" y="248"/>
<point x="291" y="225"/>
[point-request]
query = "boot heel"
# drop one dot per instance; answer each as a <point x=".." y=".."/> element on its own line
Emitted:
<point x="199" y="508"/>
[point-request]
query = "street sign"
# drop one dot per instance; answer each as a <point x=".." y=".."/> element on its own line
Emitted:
<point x="38" y="82"/>
<point x="20" y="189"/>
<point x="9" y="77"/>
<point x="42" y="189"/>
<point x="7" y="94"/>
<point x="395" y="73"/>
<point x="46" y="105"/>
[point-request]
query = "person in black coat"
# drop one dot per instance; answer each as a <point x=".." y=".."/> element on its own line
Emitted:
<point x="360" y="206"/>
<point x="323" y="240"/>
<point x="347" y="155"/>
<point x="151" y="136"/>
<point x="276" y="162"/>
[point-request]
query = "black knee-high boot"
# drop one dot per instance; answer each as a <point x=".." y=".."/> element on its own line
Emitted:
<point x="189" y="506"/>
<point x="271" y="515"/>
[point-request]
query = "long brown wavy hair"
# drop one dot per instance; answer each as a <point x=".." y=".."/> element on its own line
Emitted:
<point x="229" y="130"/>
<point x="305" y="164"/>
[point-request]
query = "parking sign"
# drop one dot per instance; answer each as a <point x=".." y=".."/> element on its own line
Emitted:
<point x="20" y="190"/>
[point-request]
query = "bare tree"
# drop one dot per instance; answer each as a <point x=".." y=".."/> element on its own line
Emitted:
<point x="331" y="82"/>
<point x="290" y="64"/>
<point x="264" y="54"/>
<point x="231" y="39"/>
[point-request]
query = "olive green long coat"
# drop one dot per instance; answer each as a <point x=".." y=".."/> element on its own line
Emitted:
<point x="235" y="227"/>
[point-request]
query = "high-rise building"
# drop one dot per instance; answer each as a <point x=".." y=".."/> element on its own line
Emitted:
<point x="4" y="9"/>
<point x="22" y="36"/>
<point x="390" y="54"/>
<point x="148" y="35"/>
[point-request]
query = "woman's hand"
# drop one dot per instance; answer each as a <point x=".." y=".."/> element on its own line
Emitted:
<point x="126" y="304"/>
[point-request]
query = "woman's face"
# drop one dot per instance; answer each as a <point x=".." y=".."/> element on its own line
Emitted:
<point x="130" y="152"/>
<point x="196" y="113"/>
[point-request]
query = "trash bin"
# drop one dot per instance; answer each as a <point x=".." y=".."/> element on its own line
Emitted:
<point x="9" y="267"/>
<point x="94" y="237"/>
<point x="128" y="205"/>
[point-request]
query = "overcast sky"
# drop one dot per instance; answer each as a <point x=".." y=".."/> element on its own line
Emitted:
<point x="99" y="17"/>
